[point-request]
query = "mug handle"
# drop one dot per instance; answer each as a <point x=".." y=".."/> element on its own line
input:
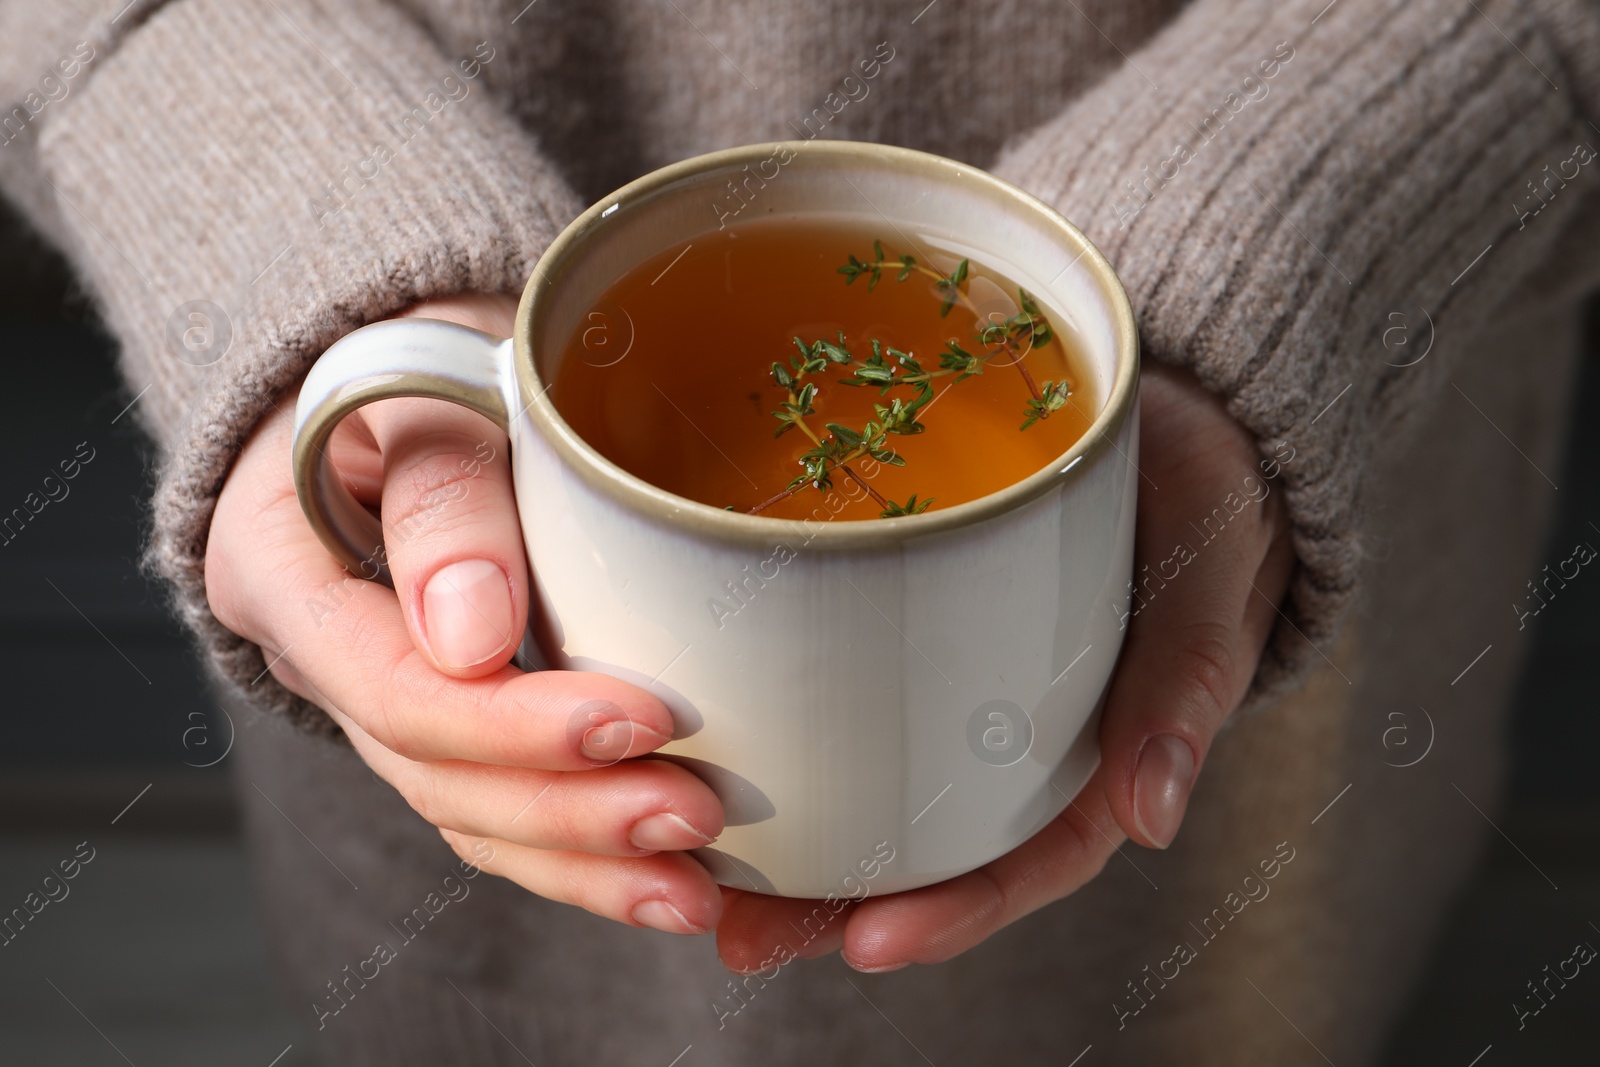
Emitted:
<point x="399" y="357"/>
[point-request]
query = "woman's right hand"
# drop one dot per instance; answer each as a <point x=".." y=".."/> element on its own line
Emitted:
<point x="542" y="766"/>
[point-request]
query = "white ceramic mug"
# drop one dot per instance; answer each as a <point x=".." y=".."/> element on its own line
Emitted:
<point x="924" y="688"/>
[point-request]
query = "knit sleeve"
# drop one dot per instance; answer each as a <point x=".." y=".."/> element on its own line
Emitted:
<point x="1280" y="186"/>
<point x="240" y="184"/>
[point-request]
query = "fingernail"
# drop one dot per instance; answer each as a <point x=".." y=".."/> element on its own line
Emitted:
<point x="1161" y="787"/>
<point x="660" y="915"/>
<point x="466" y="612"/>
<point x="611" y="741"/>
<point x="665" y="831"/>
<point x="881" y="969"/>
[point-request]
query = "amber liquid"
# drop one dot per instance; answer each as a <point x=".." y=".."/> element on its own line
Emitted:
<point x="669" y="375"/>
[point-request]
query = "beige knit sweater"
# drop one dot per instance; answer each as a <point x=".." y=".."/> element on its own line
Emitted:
<point x="1270" y="180"/>
<point x="1279" y="186"/>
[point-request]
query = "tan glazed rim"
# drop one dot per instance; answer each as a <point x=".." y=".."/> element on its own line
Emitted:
<point x="715" y="523"/>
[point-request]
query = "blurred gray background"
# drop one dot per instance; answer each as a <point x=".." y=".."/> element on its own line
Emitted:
<point x="157" y="955"/>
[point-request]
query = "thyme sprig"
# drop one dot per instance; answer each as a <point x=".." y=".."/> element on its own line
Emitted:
<point x="948" y="284"/>
<point x="889" y="368"/>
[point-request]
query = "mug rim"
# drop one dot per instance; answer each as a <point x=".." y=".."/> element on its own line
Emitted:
<point x="705" y="520"/>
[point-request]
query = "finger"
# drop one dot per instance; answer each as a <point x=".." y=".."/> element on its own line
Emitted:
<point x="1212" y="561"/>
<point x="669" y="891"/>
<point x="757" y="931"/>
<point x="352" y="448"/>
<point x="632" y="809"/>
<point x="938" y="922"/>
<point x="270" y="580"/>
<point x="451" y="535"/>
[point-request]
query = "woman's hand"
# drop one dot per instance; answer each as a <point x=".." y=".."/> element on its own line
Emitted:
<point x="1191" y="650"/>
<point x="539" y="765"/>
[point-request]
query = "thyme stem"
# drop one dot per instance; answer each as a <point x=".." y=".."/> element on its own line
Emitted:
<point x="771" y="500"/>
<point x="899" y="416"/>
<point x="842" y="464"/>
<point x="877" y="497"/>
<point x="966" y="301"/>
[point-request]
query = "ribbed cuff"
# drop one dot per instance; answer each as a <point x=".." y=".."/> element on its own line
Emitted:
<point x="288" y="172"/>
<point x="1272" y="183"/>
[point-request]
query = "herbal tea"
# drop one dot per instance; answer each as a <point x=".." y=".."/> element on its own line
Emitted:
<point x="778" y="364"/>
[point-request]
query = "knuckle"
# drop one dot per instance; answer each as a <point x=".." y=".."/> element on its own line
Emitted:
<point x="468" y="849"/>
<point x="365" y="636"/>
<point x="226" y="595"/>
<point x="431" y="495"/>
<point x="286" y="675"/>
<point x="562" y="825"/>
<point x="411" y="700"/>
<point x="256" y="572"/>
<point x="661" y="780"/>
<point x="999" y="900"/>
<point x="1204" y="669"/>
<point x="423" y="793"/>
<point x="390" y="716"/>
<point x="456" y="842"/>
<point x="220" y="597"/>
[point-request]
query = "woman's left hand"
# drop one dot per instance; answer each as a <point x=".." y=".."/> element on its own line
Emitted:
<point x="1191" y="651"/>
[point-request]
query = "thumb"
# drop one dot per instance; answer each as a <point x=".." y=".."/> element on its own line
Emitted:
<point x="1212" y="559"/>
<point x="451" y="535"/>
